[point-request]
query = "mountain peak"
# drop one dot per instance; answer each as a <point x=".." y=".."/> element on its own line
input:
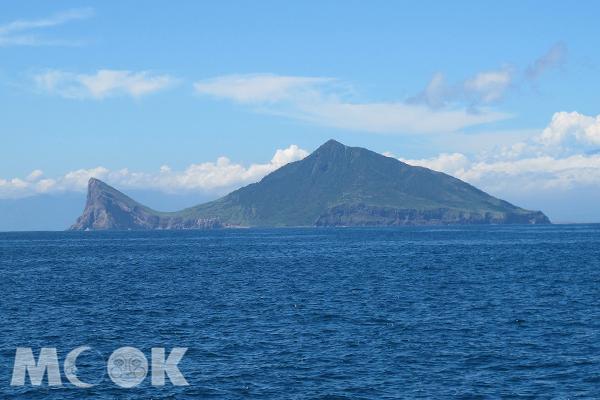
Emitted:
<point x="95" y="183"/>
<point x="331" y="144"/>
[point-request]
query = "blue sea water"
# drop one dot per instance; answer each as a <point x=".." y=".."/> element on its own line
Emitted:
<point x="497" y="312"/>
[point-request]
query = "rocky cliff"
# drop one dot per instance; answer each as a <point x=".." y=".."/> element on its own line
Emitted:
<point x="363" y="215"/>
<point x="107" y="208"/>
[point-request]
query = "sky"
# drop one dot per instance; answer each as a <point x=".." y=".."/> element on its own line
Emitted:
<point x="205" y="97"/>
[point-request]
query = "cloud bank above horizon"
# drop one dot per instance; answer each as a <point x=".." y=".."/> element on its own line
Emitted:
<point x="210" y="177"/>
<point x="562" y="157"/>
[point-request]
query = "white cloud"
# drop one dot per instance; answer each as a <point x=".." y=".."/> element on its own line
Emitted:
<point x="481" y="141"/>
<point x="572" y="130"/>
<point x="11" y="34"/>
<point x="489" y="86"/>
<point x="439" y="108"/>
<point x="105" y="83"/>
<point x="524" y="176"/>
<point x="308" y="99"/>
<point x="541" y="163"/>
<point x="35" y="176"/>
<point x="217" y="177"/>
<point x="291" y="154"/>
<point x="393" y="117"/>
<point x="316" y="100"/>
<point x="452" y="164"/>
<point x="257" y="88"/>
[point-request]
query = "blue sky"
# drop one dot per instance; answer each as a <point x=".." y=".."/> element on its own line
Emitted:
<point x="206" y="97"/>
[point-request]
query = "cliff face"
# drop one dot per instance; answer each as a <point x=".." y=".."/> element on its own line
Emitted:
<point x="106" y="208"/>
<point x="362" y="215"/>
<point x="336" y="185"/>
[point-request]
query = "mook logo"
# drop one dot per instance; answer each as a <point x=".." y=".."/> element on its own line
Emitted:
<point x="126" y="367"/>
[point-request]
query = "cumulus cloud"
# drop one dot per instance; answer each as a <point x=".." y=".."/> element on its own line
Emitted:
<point x="13" y="33"/>
<point x="572" y="130"/>
<point x="216" y="176"/>
<point x="316" y="100"/>
<point x="525" y="175"/>
<point x="452" y="164"/>
<point x="105" y="83"/>
<point x="554" y="159"/>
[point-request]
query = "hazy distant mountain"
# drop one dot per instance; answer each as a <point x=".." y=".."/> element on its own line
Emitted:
<point x="336" y="185"/>
<point x="40" y="213"/>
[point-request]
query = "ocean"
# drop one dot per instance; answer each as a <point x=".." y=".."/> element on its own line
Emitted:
<point x="477" y="312"/>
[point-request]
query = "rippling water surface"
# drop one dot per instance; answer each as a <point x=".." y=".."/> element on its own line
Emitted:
<point x="462" y="312"/>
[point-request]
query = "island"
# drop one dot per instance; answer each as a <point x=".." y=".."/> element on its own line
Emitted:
<point x="336" y="185"/>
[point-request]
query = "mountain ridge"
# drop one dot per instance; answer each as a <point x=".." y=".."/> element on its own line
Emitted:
<point x="336" y="185"/>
